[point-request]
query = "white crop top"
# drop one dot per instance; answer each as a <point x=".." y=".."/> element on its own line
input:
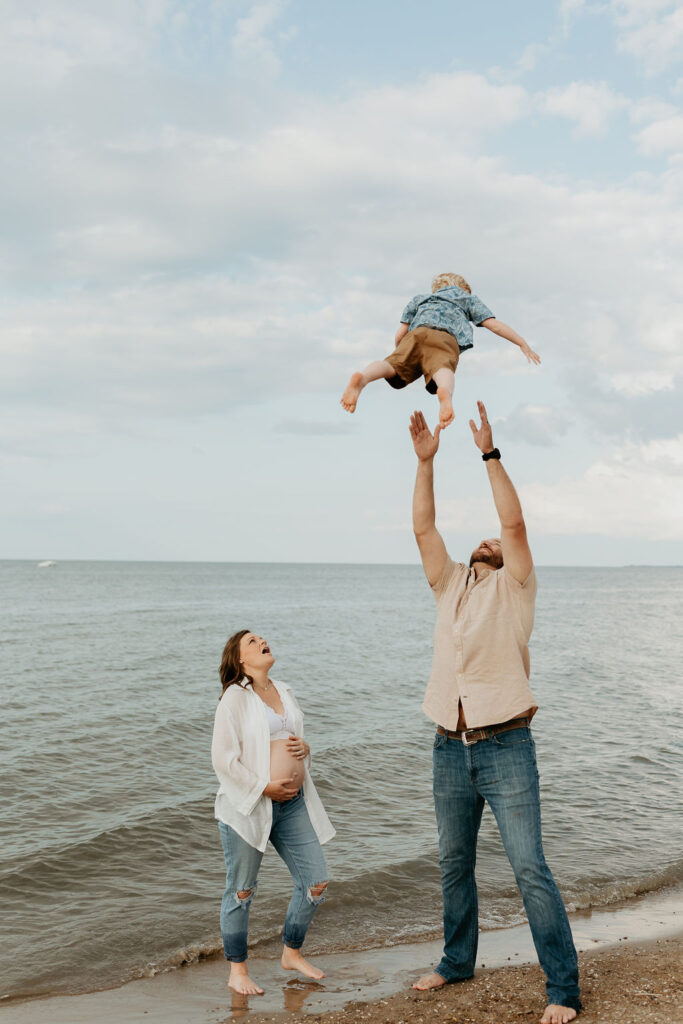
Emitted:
<point x="280" y="726"/>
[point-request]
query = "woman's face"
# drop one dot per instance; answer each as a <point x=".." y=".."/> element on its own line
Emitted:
<point x="255" y="654"/>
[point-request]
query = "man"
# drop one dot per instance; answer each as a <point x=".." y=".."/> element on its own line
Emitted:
<point x="479" y="696"/>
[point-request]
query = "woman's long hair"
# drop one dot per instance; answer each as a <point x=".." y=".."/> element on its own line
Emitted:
<point x="231" y="671"/>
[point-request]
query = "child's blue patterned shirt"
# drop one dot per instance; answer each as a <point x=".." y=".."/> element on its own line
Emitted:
<point x="450" y="309"/>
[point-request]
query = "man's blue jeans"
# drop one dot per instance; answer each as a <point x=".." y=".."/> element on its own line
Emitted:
<point x="502" y="771"/>
<point x="295" y="840"/>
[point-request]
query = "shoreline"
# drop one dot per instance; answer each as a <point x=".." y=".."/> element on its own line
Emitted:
<point x="198" y="993"/>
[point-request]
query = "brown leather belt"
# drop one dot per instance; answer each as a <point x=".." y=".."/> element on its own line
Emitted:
<point x="470" y="736"/>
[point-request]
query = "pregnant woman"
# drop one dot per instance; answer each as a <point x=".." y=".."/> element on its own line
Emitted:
<point x="265" y="792"/>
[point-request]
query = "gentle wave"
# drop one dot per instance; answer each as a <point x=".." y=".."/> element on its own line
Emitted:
<point x="110" y="864"/>
<point x="492" y="917"/>
<point x="126" y="842"/>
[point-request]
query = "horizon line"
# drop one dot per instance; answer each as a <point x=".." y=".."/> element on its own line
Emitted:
<point x="232" y="561"/>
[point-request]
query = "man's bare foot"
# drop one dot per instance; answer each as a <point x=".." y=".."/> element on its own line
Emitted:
<point x="429" y="981"/>
<point x="239" y="981"/>
<point x="292" y="960"/>
<point x="555" y="1014"/>
<point x="446" y="414"/>
<point x="353" y="390"/>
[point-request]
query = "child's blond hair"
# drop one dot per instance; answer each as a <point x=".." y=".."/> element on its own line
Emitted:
<point x="444" y="280"/>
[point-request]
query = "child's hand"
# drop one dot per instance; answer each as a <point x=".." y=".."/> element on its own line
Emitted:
<point x="532" y="357"/>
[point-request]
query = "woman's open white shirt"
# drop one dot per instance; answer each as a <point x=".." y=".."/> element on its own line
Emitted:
<point x="240" y="753"/>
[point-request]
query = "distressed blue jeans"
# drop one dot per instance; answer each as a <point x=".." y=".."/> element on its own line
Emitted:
<point x="500" y="771"/>
<point x="295" y="840"/>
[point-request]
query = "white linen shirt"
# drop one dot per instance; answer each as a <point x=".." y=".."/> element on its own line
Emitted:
<point x="240" y="754"/>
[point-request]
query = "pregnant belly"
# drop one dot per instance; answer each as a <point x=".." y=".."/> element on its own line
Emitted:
<point x="284" y="765"/>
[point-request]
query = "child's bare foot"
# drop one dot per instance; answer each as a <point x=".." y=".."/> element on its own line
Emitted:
<point x="292" y="960"/>
<point x="239" y="981"/>
<point x="353" y="390"/>
<point x="446" y="414"/>
<point x="429" y="981"/>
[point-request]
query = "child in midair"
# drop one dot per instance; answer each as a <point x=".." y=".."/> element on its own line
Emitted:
<point x="434" y="330"/>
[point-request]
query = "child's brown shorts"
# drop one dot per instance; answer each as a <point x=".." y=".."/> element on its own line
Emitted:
<point x="423" y="351"/>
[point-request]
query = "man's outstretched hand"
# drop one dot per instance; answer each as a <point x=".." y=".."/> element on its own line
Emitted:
<point x="425" y="443"/>
<point x="483" y="437"/>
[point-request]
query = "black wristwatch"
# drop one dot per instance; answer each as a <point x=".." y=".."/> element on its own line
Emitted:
<point x="495" y="454"/>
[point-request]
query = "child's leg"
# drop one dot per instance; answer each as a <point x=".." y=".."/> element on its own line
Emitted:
<point x="444" y="378"/>
<point x="378" y="370"/>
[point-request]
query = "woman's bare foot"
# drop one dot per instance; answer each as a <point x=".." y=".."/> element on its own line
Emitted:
<point x="429" y="981"/>
<point x="555" y="1014"/>
<point x="353" y="390"/>
<point x="446" y="414"/>
<point x="239" y="981"/>
<point x="292" y="960"/>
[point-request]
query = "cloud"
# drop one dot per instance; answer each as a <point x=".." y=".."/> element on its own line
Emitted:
<point x="589" y="104"/>
<point x="650" y="30"/>
<point x="662" y="136"/>
<point x="637" y="492"/>
<point x="634" y="491"/>
<point x="642" y="382"/>
<point x="251" y="41"/>
<point x="540" y="425"/>
<point x="312" y="428"/>
<point x="162" y="255"/>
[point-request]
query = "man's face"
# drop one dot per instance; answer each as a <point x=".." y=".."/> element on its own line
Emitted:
<point x="490" y="552"/>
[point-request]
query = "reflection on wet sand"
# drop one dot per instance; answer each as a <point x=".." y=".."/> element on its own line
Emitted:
<point x="296" y="992"/>
<point x="294" y="995"/>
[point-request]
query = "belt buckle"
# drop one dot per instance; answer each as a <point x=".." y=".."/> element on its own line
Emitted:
<point x="465" y="741"/>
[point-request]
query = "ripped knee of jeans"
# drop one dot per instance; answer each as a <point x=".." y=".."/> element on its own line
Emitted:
<point x="243" y="897"/>
<point x="316" y="893"/>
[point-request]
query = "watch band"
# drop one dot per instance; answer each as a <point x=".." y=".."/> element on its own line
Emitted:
<point x="495" y="454"/>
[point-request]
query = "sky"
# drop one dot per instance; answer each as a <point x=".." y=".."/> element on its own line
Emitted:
<point x="213" y="212"/>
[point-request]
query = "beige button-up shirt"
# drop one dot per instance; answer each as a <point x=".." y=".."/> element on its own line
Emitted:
<point x="481" y="655"/>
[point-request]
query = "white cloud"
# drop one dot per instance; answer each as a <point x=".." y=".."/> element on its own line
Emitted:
<point x="650" y="30"/>
<point x="589" y="104"/>
<point x="636" y="491"/>
<point x="661" y="136"/>
<point x="642" y="382"/>
<point x="540" y="425"/>
<point x="251" y="40"/>
<point x="152" y="258"/>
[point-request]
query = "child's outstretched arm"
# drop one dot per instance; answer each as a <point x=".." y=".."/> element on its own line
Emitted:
<point x="504" y="331"/>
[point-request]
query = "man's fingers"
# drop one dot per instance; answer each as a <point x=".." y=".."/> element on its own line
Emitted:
<point x="437" y="431"/>
<point x="473" y="427"/>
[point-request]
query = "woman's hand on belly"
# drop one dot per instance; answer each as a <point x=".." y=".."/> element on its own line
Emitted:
<point x="298" y="747"/>
<point x="284" y="765"/>
<point x="281" y="790"/>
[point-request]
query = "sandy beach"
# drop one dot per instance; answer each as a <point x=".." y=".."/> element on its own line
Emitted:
<point x="630" y="984"/>
<point x="630" y="959"/>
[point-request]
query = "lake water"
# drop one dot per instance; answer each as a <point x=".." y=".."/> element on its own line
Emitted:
<point x="110" y="861"/>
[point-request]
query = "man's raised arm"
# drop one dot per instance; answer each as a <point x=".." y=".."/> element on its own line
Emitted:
<point x="429" y="540"/>
<point x="516" y="553"/>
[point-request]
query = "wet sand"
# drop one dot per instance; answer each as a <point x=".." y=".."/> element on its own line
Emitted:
<point x="631" y="972"/>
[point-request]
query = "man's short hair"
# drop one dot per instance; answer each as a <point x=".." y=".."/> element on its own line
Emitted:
<point x="444" y="280"/>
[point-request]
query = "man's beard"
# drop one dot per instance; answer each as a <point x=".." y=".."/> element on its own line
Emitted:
<point x="486" y="558"/>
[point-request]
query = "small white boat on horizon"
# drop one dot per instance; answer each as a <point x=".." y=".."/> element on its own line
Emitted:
<point x="46" y="565"/>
